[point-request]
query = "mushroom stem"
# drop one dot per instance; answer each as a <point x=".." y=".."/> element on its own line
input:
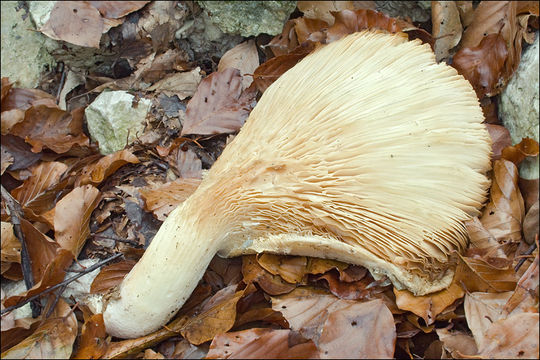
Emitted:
<point x="157" y="286"/>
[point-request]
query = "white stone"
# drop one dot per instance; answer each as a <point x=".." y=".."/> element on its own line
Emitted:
<point x="111" y="117"/>
<point x="519" y="103"/>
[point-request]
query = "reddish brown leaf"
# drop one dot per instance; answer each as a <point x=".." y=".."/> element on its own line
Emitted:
<point x="428" y="307"/>
<point x="517" y="153"/>
<point x="272" y="69"/>
<point x="291" y="268"/>
<point x="38" y="193"/>
<point x="41" y="249"/>
<point x="19" y="151"/>
<point x="54" y="273"/>
<point x="503" y="215"/>
<point x="93" y="343"/>
<point x="163" y="199"/>
<point x="96" y="172"/>
<point x="51" y="127"/>
<point x="271" y="284"/>
<point x="216" y="316"/>
<point x="285" y="42"/>
<point x="72" y="217"/>
<point x="117" y="9"/>
<point x="500" y="139"/>
<point x="507" y="18"/>
<point x="366" y="288"/>
<point x="259" y="343"/>
<point x="483" y="65"/>
<point x="22" y="99"/>
<point x="5" y="87"/>
<point x="218" y="107"/>
<point x="110" y="276"/>
<point x="76" y="22"/>
<point x="322" y="10"/>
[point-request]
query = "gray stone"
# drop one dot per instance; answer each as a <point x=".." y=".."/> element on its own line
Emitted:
<point x="416" y="10"/>
<point x="249" y="18"/>
<point x="112" y="117"/>
<point x="519" y="103"/>
<point x="24" y="50"/>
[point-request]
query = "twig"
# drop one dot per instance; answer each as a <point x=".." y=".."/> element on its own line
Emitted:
<point x="63" y="283"/>
<point x="522" y="260"/>
<point x="26" y="263"/>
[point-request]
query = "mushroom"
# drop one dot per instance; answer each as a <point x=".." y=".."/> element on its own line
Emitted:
<point x="367" y="151"/>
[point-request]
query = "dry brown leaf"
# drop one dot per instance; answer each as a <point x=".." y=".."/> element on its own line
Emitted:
<point x="219" y="106"/>
<point x="457" y="343"/>
<point x="475" y="274"/>
<point x="76" y="22"/>
<point x="291" y="268"/>
<point x="53" y="128"/>
<point x="466" y="12"/>
<point x="22" y="99"/>
<point x="500" y="139"/>
<point x="155" y="67"/>
<point x="526" y="288"/>
<point x="309" y="29"/>
<point x="370" y="323"/>
<point x="285" y="42"/>
<point x="22" y="328"/>
<point x="117" y="9"/>
<point x="483" y="65"/>
<point x="531" y="222"/>
<point x="320" y="266"/>
<point x="53" y="274"/>
<point x="53" y="339"/>
<point x="272" y="69"/>
<point x="11" y="246"/>
<point x="216" y="316"/>
<point x="182" y="84"/>
<point x="16" y="153"/>
<point x="4" y="89"/>
<point x="507" y="18"/>
<point x="447" y="27"/>
<point x="428" y="307"/>
<point x="93" y="342"/>
<point x="517" y="153"/>
<point x="95" y="173"/>
<point x="514" y="337"/>
<point x="271" y="284"/>
<point x="163" y="199"/>
<point x="504" y="213"/>
<point x="260" y="343"/>
<point x="72" y="217"/>
<point x="38" y="193"/>
<point x="331" y="323"/>
<point x="322" y="10"/>
<point x="365" y="288"/>
<point x="110" y="276"/>
<point x="243" y="57"/>
<point x="187" y="163"/>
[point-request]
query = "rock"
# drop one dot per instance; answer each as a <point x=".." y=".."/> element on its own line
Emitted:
<point x="519" y="103"/>
<point x="24" y="51"/>
<point x="112" y="116"/>
<point x="248" y="18"/>
<point x="417" y="10"/>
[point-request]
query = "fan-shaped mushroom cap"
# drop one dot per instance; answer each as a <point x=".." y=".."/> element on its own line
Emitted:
<point x="367" y="151"/>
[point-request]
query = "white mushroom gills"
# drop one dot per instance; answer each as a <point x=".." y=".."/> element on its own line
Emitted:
<point x="367" y="151"/>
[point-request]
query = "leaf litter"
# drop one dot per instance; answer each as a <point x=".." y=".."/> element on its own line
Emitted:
<point x="75" y="202"/>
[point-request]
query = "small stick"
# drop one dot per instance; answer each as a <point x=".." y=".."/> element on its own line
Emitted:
<point x="63" y="283"/>
<point x="524" y="257"/>
<point x="26" y="263"/>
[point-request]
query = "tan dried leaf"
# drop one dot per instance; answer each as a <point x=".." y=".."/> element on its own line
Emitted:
<point x="72" y="217"/>
<point x="291" y="268"/>
<point x="447" y="27"/>
<point x="219" y="106"/>
<point x="11" y="246"/>
<point x="475" y="274"/>
<point x="271" y="284"/>
<point x="260" y="343"/>
<point x="95" y="173"/>
<point x="243" y="57"/>
<point x="76" y="22"/>
<point x="93" y="342"/>
<point x="457" y="343"/>
<point x="117" y="9"/>
<point x="322" y="10"/>
<point x="182" y="84"/>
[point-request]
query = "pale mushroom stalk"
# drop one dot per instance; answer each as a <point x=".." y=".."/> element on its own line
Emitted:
<point x="367" y="151"/>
